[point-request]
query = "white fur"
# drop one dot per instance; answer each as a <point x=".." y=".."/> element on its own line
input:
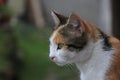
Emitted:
<point x="96" y="67"/>
<point x="92" y="61"/>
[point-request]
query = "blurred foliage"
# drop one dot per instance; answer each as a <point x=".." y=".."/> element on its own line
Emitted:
<point x="4" y="38"/>
<point x="5" y="10"/>
<point x="34" y="43"/>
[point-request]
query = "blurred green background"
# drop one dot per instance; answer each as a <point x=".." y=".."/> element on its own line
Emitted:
<point x="34" y="46"/>
<point x="38" y="66"/>
<point x="24" y="49"/>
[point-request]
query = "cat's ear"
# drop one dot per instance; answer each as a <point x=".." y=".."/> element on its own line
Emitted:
<point x="58" y="18"/>
<point x="75" y="21"/>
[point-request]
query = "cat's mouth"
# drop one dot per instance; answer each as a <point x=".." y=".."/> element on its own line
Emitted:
<point x="60" y="63"/>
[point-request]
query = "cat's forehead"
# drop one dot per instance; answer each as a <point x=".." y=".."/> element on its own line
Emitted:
<point x="57" y="37"/>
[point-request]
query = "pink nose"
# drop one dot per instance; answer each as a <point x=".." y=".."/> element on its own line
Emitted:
<point x="52" y="57"/>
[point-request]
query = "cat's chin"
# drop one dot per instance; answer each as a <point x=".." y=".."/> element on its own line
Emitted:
<point x="60" y="64"/>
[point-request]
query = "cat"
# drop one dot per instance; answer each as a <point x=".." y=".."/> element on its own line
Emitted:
<point x="96" y="54"/>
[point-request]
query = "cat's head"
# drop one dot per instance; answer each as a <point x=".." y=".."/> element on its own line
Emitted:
<point x="68" y="39"/>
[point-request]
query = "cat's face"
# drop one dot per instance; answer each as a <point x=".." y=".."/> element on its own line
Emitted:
<point x="67" y="40"/>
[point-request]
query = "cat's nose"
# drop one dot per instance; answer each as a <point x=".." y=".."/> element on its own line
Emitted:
<point x="52" y="57"/>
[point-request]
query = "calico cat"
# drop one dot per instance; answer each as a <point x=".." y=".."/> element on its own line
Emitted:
<point x="96" y="54"/>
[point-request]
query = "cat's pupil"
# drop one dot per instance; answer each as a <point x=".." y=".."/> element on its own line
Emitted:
<point x="60" y="46"/>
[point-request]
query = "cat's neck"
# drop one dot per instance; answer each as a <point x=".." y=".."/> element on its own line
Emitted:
<point x="98" y="63"/>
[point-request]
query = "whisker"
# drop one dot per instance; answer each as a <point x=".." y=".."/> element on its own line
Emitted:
<point x="65" y="68"/>
<point x="71" y="67"/>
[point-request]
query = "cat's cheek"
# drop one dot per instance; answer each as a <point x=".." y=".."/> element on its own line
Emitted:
<point x="59" y="61"/>
<point x="72" y="55"/>
<point x="62" y="54"/>
<point x="69" y="55"/>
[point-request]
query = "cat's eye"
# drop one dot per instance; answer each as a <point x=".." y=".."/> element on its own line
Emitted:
<point x="72" y="47"/>
<point x="60" y="46"/>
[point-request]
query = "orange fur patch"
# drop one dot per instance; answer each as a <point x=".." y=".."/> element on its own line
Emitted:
<point x="91" y="30"/>
<point x="58" y="37"/>
<point x="114" y="70"/>
<point x="115" y="43"/>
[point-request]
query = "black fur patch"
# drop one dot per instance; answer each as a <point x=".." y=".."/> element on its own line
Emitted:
<point x="72" y="47"/>
<point x="106" y="44"/>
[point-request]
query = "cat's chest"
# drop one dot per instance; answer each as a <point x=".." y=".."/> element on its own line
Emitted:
<point x="97" y="66"/>
<point x="91" y="76"/>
